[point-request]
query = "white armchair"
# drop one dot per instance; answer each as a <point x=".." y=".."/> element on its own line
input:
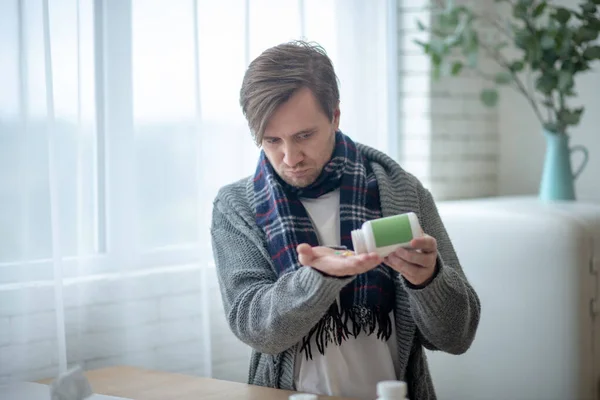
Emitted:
<point x="535" y="268"/>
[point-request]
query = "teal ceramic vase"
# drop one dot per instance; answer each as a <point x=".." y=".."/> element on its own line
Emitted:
<point x="558" y="178"/>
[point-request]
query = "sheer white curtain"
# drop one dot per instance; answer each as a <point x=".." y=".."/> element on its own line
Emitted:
<point x="119" y="121"/>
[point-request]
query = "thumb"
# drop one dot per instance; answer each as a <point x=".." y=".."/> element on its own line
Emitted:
<point x="305" y="254"/>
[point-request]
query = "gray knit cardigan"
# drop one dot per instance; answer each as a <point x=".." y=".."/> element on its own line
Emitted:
<point x="272" y="314"/>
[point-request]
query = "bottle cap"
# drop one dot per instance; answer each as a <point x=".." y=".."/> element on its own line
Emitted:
<point x="303" y="396"/>
<point x="358" y="242"/>
<point x="391" y="390"/>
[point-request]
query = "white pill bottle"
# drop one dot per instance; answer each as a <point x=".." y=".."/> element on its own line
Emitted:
<point x="391" y="390"/>
<point x="384" y="235"/>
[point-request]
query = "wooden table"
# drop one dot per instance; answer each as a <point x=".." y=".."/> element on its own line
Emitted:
<point x="140" y="384"/>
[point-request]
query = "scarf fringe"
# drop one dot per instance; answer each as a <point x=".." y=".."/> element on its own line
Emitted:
<point x="333" y="327"/>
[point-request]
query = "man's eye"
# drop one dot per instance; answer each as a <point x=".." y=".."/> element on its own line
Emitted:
<point x="272" y="141"/>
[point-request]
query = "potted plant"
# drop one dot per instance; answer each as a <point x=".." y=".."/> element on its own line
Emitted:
<point x="550" y="45"/>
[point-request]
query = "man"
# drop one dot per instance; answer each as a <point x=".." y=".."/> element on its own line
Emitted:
<point x="318" y="321"/>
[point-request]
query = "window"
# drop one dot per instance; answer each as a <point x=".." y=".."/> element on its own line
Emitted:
<point x="112" y="150"/>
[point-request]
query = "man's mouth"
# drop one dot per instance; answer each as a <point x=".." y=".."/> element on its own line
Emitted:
<point x="298" y="173"/>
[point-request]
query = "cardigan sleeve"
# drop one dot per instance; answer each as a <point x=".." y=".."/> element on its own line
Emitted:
<point x="268" y="313"/>
<point x="447" y="310"/>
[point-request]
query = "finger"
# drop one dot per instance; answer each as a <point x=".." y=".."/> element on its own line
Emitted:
<point x="426" y="243"/>
<point x="364" y="262"/>
<point x="323" y="251"/>
<point x="399" y="263"/>
<point x="413" y="272"/>
<point x="394" y="261"/>
<point x="305" y="254"/>
<point x="370" y="257"/>
<point x="414" y="257"/>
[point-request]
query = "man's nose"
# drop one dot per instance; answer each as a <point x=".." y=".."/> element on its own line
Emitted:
<point x="292" y="155"/>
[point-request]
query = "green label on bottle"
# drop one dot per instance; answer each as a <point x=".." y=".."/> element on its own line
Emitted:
<point x="392" y="230"/>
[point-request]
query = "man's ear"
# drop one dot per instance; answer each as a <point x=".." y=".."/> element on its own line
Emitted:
<point x="336" y="117"/>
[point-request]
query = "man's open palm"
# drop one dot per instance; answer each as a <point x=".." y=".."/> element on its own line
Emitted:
<point x="332" y="262"/>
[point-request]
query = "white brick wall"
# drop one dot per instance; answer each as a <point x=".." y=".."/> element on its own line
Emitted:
<point x="448" y="138"/>
<point x="32" y="328"/>
<point x="25" y="301"/>
<point x="231" y="357"/>
<point x="19" y="358"/>
<point x="149" y="319"/>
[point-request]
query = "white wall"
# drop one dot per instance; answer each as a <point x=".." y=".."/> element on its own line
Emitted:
<point x="522" y="145"/>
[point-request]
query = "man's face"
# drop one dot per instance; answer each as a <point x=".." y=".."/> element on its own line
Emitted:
<point x="299" y="139"/>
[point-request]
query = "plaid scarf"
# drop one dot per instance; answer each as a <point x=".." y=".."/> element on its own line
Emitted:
<point x="368" y="300"/>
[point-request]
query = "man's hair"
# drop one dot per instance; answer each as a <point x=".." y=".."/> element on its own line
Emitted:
<point x="275" y="75"/>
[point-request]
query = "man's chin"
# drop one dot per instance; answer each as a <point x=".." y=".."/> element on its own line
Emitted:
<point x="299" y="182"/>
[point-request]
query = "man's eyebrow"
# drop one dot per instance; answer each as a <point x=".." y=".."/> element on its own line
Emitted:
<point x="303" y="131"/>
<point x="308" y="130"/>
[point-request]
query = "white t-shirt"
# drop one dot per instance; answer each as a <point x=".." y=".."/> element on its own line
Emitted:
<point x="354" y="368"/>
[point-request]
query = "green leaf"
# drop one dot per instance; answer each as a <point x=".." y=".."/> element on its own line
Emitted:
<point x="562" y="15"/>
<point x="470" y="40"/>
<point x="546" y="84"/>
<point x="534" y="54"/>
<point x="570" y="117"/>
<point x="517" y="66"/>
<point x="588" y="8"/>
<point x="436" y="59"/>
<point x="525" y="3"/>
<point x="420" y="25"/>
<point x="565" y="81"/>
<point x="593" y="22"/>
<point x="539" y="9"/>
<point x="503" y="78"/>
<point x="489" y="97"/>
<point x="457" y="66"/>
<point x="565" y="46"/>
<point x="547" y="42"/>
<point x="549" y="57"/>
<point x="523" y="38"/>
<point x="585" y="34"/>
<point x="426" y="46"/>
<point x="436" y="71"/>
<point x="581" y="65"/>
<point x="448" y="21"/>
<point x="592" y="53"/>
<point x="520" y="11"/>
